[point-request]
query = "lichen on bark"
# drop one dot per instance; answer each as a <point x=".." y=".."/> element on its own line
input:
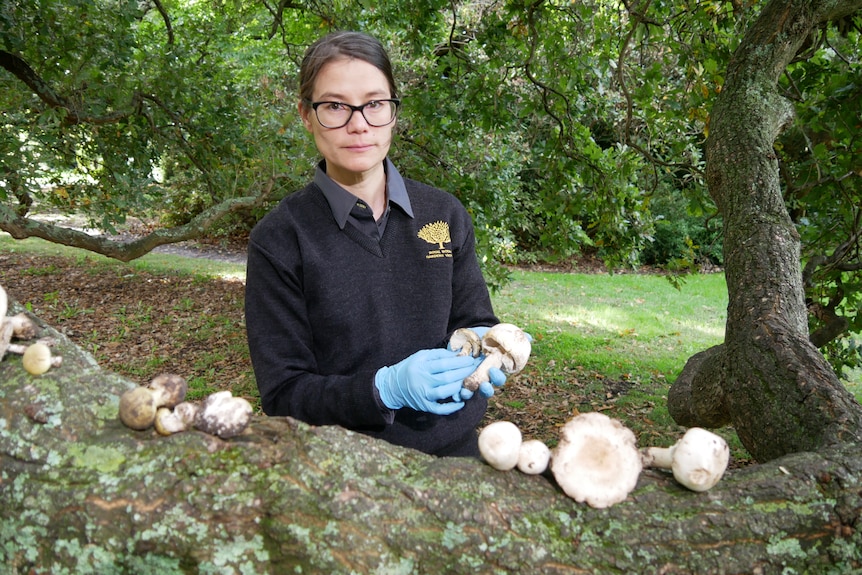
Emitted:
<point x="81" y="493"/>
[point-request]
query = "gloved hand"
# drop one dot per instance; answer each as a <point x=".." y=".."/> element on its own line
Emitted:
<point x="486" y="388"/>
<point x="423" y="379"/>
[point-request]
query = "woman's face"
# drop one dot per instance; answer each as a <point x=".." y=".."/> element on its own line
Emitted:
<point x="356" y="149"/>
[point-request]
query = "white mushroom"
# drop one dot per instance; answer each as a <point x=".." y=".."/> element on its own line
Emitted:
<point x="5" y="329"/>
<point x="223" y="415"/>
<point x="533" y="457"/>
<point x="22" y="326"/>
<point x="180" y="418"/>
<point x="698" y="460"/>
<point x="466" y="342"/>
<point x="500" y="444"/>
<point x="505" y="346"/>
<point x="597" y="460"/>
<point x="4" y="303"/>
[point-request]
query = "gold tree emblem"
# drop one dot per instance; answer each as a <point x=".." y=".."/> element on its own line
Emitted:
<point x="435" y="233"/>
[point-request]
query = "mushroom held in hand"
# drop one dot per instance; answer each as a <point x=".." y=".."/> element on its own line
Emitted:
<point x="466" y="342"/>
<point x="500" y="444"/>
<point x="223" y="415"/>
<point x="505" y="346"/>
<point x="698" y="460"/>
<point x="597" y="460"/>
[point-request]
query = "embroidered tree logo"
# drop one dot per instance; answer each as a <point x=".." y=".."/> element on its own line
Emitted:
<point x="435" y="233"/>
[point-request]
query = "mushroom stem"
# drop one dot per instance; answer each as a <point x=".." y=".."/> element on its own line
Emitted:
<point x="5" y="337"/>
<point x="4" y="303"/>
<point x="661" y="457"/>
<point x="493" y="359"/>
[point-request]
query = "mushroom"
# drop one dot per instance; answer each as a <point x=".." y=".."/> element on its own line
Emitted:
<point x="37" y="358"/>
<point x="466" y="342"/>
<point x="597" y="460"/>
<point x="505" y="346"/>
<point x="533" y="457"/>
<point x="5" y="329"/>
<point x="697" y="461"/>
<point x="500" y="444"/>
<point x="138" y="408"/>
<point x="168" y="389"/>
<point x="139" y="405"/>
<point x="223" y="415"/>
<point x="22" y="326"/>
<point x="180" y="418"/>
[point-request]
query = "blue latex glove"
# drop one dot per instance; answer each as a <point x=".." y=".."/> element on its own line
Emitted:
<point x="424" y="379"/>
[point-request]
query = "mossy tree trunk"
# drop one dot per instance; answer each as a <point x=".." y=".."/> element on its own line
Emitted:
<point x="767" y="379"/>
<point x="81" y="493"/>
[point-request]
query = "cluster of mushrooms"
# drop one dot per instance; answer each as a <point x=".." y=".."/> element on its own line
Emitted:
<point x="36" y="357"/>
<point x="505" y="346"/>
<point x="597" y="460"/>
<point x="161" y="404"/>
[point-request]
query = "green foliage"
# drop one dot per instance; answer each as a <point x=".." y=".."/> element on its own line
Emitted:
<point x="821" y="157"/>
<point x="564" y="127"/>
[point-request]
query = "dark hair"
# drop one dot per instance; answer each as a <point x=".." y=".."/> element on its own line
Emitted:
<point x="345" y="45"/>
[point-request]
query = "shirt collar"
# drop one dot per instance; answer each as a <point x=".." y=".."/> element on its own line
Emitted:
<point x="341" y="201"/>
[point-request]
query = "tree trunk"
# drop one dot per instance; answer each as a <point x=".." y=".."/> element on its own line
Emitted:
<point x="81" y="493"/>
<point x="767" y="379"/>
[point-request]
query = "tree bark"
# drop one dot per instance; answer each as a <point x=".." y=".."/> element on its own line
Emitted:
<point x="772" y="384"/>
<point x="81" y="493"/>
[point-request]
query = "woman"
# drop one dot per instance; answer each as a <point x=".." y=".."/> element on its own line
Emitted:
<point x="356" y="281"/>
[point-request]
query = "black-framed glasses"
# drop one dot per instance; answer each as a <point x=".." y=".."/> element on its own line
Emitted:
<point x="377" y="113"/>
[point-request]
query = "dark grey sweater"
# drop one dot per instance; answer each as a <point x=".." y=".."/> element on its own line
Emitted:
<point x="326" y="308"/>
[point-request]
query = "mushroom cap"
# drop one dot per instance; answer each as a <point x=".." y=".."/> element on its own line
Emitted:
<point x="223" y="415"/>
<point x="500" y="444"/>
<point x="510" y="341"/>
<point x="168" y="389"/>
<point x="700" y="459"/>
<point x="22" y="326"/>
<point x="597" y="460"/>
<point x="37" y="358"/>
<point x="465" y="341"/>
<point x="533" y="457"/>
<point x="138" y="408"/>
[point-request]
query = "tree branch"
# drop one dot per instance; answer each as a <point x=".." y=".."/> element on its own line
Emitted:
<point x="20" y="227"/>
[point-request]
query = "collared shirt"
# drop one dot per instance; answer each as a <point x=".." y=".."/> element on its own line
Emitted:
<point x="347" y="207"/>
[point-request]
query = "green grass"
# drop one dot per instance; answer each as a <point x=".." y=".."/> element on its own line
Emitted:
<point x="622" y="325"/>
<point x="152" y="262"/>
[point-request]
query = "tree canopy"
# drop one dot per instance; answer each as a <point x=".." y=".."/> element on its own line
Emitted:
<point x="563" y="126"/>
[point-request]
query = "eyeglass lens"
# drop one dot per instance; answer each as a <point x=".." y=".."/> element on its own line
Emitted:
<point x="336" y="114"/>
